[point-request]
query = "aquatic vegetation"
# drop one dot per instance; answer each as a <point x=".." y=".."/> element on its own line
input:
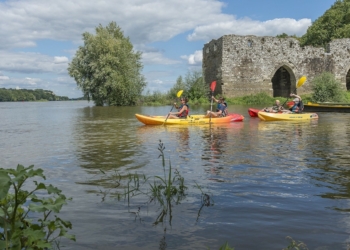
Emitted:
<point x="206" y="200"/>
<point x="295" y="245"/>
<point x="21" y="227"/>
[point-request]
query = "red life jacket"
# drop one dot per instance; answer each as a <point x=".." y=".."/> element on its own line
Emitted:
<point x="184" y="113"/>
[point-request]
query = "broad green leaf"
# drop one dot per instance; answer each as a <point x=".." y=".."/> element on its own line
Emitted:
<point x="53" y="190"/>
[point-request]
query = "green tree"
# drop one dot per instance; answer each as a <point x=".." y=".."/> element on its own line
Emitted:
<point x="107" y="69"/>
<point x="327" y="89"/>
<point x="179" y="85"/>
<point x="196" y="88"/>
<point x="283" y="35"/>
<point x="334" y="23"/>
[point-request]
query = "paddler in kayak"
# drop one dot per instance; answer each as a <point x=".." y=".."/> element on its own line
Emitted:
<point x="297" y="106"/>
<point x="220" y="101"/>
<point x="182" y="112"/>
<point x="221" y="109"/>
<point x="277" y="107"/>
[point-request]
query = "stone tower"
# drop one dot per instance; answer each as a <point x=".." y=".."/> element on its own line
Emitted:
<point x="244" y="65"/>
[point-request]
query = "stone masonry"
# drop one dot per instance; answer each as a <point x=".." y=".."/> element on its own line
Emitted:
<point x="244" y="65"/>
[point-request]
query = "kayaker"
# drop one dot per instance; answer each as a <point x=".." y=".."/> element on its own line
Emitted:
<point x="297" y="99"/>
<point x="275" y="108"/>
<point x="222" y="111"/>
<point x="182" y="112"/>
<point x="221" y="101"/>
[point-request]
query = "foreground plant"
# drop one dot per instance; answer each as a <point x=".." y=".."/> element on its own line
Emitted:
<point x="168" y="189"/>
<point x="26" y="219"/>
<point x="295" y="245"/>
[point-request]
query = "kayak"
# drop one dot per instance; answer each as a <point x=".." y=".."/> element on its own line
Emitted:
<point x="190" y="120"/>
<point x="327" y="107"/>
<point x="253" y="112"/>
<point x="266" y="116"/>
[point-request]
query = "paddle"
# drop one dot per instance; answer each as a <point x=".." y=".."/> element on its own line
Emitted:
<point x="178" y="95"/>
<point x="212" y="88"/>
<point x="299" y="84"/>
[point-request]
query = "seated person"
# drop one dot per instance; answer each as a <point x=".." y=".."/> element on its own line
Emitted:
<point x="295" y="108"/>
<point x="182" y="110"/>
<point x="220" y="101"/>
<point x="276" y="108"/>
<point x="221" y="111"/>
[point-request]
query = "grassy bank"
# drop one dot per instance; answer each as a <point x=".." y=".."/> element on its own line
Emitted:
<point x="256" y="99"/>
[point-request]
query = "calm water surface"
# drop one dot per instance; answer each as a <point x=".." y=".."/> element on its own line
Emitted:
<point x="268" y="180"/>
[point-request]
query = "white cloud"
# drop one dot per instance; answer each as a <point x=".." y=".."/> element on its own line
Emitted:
<point x="247" y="26"/>
<point x="4" y="78"/>
<point x="60" y="59"/>
<point x="144" y="21"/>
<point x="32" y="81"/>
<point x="156" y="57"/>
<point x="194" y="59"/>
<point x="21" y="62"/>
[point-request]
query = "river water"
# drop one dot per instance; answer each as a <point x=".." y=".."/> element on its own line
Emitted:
<point x="265" y="180"/>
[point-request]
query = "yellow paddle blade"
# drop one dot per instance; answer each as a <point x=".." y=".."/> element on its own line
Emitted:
<point x="301" y="81"/>
<point x="179" y="93"/>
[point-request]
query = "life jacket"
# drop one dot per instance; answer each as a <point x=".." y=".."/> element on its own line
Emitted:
<point x="185" y="113"/>
<point x="224" y="111"/>
<point x="297" y="107"/>
<point x="301" y="106"/>
<point x="218" y="107"/>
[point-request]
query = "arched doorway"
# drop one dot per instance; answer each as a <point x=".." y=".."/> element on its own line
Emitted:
<point x="283" y="81"/>
<point x="348" y="80"/>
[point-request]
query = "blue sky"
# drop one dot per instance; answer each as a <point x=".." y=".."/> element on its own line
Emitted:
<point x="40" y="37"/>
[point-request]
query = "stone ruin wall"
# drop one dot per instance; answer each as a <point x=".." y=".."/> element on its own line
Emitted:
<point x="244" y="65"/>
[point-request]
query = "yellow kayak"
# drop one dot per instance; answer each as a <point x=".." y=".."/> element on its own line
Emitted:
<point x="190" y="120"/>
<point x="327" y="107"/>
<point x="266" y="116"/>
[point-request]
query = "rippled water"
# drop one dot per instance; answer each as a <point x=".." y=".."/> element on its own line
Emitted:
<point x="268" y="180"/>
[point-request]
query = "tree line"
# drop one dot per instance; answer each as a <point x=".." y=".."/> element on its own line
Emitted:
<point x="16" y="95"/>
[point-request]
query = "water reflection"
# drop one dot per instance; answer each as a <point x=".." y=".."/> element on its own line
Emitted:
<point x="216" y="147"/>
<point x="106" y="142"/>
<point x="330" y="161"/>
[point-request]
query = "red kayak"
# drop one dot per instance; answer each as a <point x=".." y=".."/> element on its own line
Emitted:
<point x="253" y="112"/>
<point x="236" y="117"/>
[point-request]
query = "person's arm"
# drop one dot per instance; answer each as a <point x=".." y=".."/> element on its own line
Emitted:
<point x="215" y="100"/>
<point x="296" y="96"/>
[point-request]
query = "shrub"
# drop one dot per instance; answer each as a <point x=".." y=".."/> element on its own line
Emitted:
<point x="257" y="99"/>
<point x="327" y="89"/>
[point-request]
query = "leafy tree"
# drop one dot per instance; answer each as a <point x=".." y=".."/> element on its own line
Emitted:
<point x="196" y="88"/>
<point x="327" y="89"/>
<point x="107" y="69"/>
<point x="179" y="85"/>
<point x="285" y="35"/>
<point x="334" y="23"/>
